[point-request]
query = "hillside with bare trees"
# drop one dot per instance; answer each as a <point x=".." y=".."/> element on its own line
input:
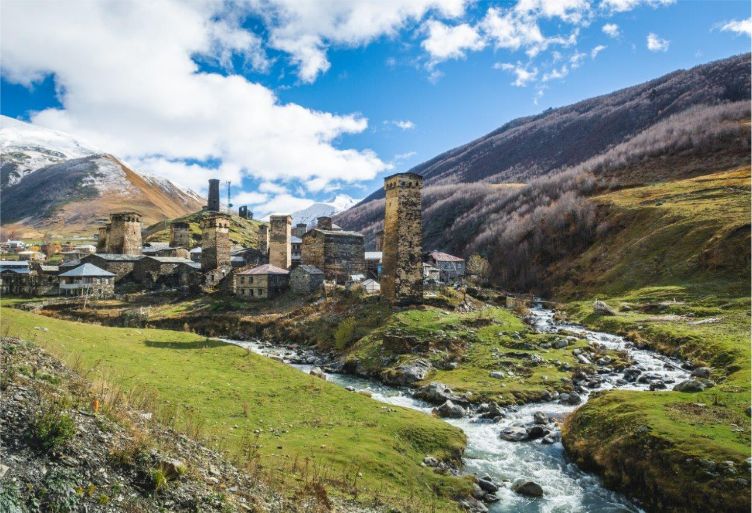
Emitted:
<point x="529" y="196"/>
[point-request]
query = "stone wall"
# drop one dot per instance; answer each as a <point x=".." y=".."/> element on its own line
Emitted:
<point x="124" y="237"/>
<point x="280" y="233"/>
<point x="263" y="239"/>
<point x="215" y="242"/>
<point x="213" y="202"/>
<point x="122" y="269"/>
<point x="338" y="253"/>
<point x="102" y="239"/>
<point x="402" y="268"/>
<point x="305" y="282"/>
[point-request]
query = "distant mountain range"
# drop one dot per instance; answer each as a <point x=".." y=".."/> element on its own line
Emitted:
<point x="53" y="184"/>
<point x="338" y="204"/>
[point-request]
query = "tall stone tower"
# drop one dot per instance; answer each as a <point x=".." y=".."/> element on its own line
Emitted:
<point x="215" y="242"/>
<point x="213" y="203"/>
<point x="180" y="235"/>
<point x="280" y="247"/>
<point x="378" y="240"/>
<point x="124" y="236"/>
<point x="103" y="232"/>
<point x="264" y="240"/>
<point x="402" y="266"/>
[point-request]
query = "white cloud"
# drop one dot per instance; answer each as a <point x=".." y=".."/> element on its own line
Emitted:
<point x="271" y="187"/>
<point x="571" y="11"/>
<point x="450" y="42"/>
<point x="249" y="198"/>
<point x="596" y="50"/>
<point x="656" y="44"/>
<point x="522" y="74"/>
<point x="628" y="5"/>
<point x="282" y="203"/>
<point x="738" y="26"/>
<point x="306" y="29"/>
<point x="404" y="156"/>
<point x="133" y="88"/>
<point x="555" y="74"/>
<point x="402" y="124"/>
<point x="512" y="30"/>
<point x="611" y="30"/>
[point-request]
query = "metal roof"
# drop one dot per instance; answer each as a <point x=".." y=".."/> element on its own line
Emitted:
<point x="16" y="270"/>
<point x="266" y="269"/>
<point x="87" y="270"/>
<point x="445" y="257"/>
<point x="14" y="263"/>
<point x="341" y="233"/>
<point x="117" y="257"/>
<point x="171" y="260"/>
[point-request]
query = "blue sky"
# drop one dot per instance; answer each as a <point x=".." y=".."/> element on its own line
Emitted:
<point x="298" y="101"/>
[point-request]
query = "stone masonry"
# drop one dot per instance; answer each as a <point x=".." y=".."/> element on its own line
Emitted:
<point x="263" y="238"/>
<point x="215" y="242"/>
<point x="124" y="237"/>
<point x="280" y="239"/>
<point x="180" y="235"/>
<point x="102" y="238"/>
<point x="338" y="253"/>
<point x="213" y="203"/>
<point x="402" y="268"/>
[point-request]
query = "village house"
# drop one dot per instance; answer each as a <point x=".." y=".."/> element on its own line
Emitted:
<point x="15" y="277"/>
<point x="31" y="255"/>
<point x="87" y="280"/>
<point x="13" y="246"/>
<point x="118" y="264"/>
<point x="262" y="282"/>
<point x="373" y="264"/>
<point x="306" y="279"/>
<point x="296" y="246"/>
<point x="431" y="274"/>
<point x="154" y="272"/>
<point x="451" y="268"/>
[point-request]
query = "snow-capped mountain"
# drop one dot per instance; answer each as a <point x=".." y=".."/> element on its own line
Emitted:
<point x="308" y="215"/>
<point x="53" y="183"/>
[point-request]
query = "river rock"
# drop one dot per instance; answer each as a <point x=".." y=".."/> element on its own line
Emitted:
<point x="690" y="385"/>
<point x="536" y="431"/>
<point x="560" y="344"/>
<point x="658" y="385"/>
<point x="601" y="308"/>
<point x="527" y="488"/>
<point x="513" y="434"/>
<point x="317" y="372"/>
<point x="450" y="410"/>
<point x="436" y="393"/>
<point x="701" y="372"/>
<point x="572" y="398"/>
<point x="631" y="374"/>
<point x="583" y="359"/>
<point x="491" y="411"/>
<point x="496" y="374"/>
<point x="551" y="438"/>
<point x="540" y="418"/>
<point x="487" y="485"/>
<point x="408" y="373"/>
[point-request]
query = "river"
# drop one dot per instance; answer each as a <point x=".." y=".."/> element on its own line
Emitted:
<point x="567" y="489"/>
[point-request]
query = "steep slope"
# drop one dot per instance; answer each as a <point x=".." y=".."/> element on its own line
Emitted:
<point x="53" y="184"/>
<point x="243" y="232"/>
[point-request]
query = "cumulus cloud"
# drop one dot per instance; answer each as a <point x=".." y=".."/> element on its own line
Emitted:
<point x="628" y="5"/>
<point x="306" y="29"/>
<point x="450" y="42"/>
<point x="738" y="26"/>
<point x="132" y="87"/>
<point x="522" y="74"/>
<point x="656" y="44"/>
<point x="611" y="30"/>
<point x="402" y="124"/>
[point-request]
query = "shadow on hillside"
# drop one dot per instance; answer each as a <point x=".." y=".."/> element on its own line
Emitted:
<point x="199" y="344"/>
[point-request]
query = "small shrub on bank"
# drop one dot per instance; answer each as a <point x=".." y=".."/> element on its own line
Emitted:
<point x="345" y="333"/>
<point x="53" y="428"/>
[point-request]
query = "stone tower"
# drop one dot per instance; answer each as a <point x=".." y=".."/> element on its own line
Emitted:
<point x="124" y="236"/>
<point x="215" y="242"/>
<point x="280" y="247"/>
<point x="180" y="235"/>
<point x="402" y="266"/>
<point x="378" y="240"/>
<point x="324" y="223"/>
<point x="245" y="213"/>
<point x="213" y="203"/>
<point x="263" y="239"/>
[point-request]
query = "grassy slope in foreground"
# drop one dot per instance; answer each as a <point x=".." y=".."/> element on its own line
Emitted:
<point x="301" y="418"/>
<point x="683" y="257"/>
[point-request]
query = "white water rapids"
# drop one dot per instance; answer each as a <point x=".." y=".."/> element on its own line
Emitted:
<point x="567" y="489"/>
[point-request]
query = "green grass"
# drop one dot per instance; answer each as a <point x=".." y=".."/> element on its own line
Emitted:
<point x="206" y="386"/>
<point x="492" y="339"/>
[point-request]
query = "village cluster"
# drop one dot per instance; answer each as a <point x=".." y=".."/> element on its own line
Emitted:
<point x="300" y="258"/>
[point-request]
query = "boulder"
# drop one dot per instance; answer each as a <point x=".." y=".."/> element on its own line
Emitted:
<point x="487" y="485"/>
<point x="572" y="398"/>
<point x="491" y="411"/>
<point x="527" y="488"/>
<point x="496" y="374"/>
<point x="701" y="372"/>
<point x="540" y="418"/>
<point x="513" y="434"/>
<point x="690" y="385"/>
<point x="560" y="344"/>
<point x="435" y="393"/>
<point x="536" y="431"/>
<point x="450" y="410"/>
<point x="317" y="372"/>
<point x="601" y="308"/>
<point x="407" y="373"/>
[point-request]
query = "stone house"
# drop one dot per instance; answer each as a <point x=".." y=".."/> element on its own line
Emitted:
<point x="451" y="268"/>
<point x="15" y="277"/>
<point x="338" y="253"/>
<point x="155" y="272"/>
<point x="306" y="279"/>
<point x="87" y="280"/>
<point x="120" y="265"/>
<point x="373" y="264"/>
<point x="296" y="245"/>
<point x="262" y="282"/>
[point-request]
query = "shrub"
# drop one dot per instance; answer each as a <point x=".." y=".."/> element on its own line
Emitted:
<point x="158" y="479"/>
<point x="345" y="333"/>
<point x="52" y="428"/>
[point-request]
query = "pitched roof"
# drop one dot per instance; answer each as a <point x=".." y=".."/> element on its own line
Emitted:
<point x="113" y="257"/>
<point x="339" y="233"/>
<point x="445" y="257"/>
<point x="171" y="260"/>
<point x="295" y="240"/>
<point x="14" y="263"/>
<point x="310" y="269"/>
<point x="87" y="270"/>
<point x="265" y="269"/>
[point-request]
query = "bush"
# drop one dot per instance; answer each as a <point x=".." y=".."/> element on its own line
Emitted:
<point x="345" y="333"/>
<point x="52" y="428"/>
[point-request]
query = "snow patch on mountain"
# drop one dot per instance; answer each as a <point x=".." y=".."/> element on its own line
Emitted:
<point x="308" y="215"/>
